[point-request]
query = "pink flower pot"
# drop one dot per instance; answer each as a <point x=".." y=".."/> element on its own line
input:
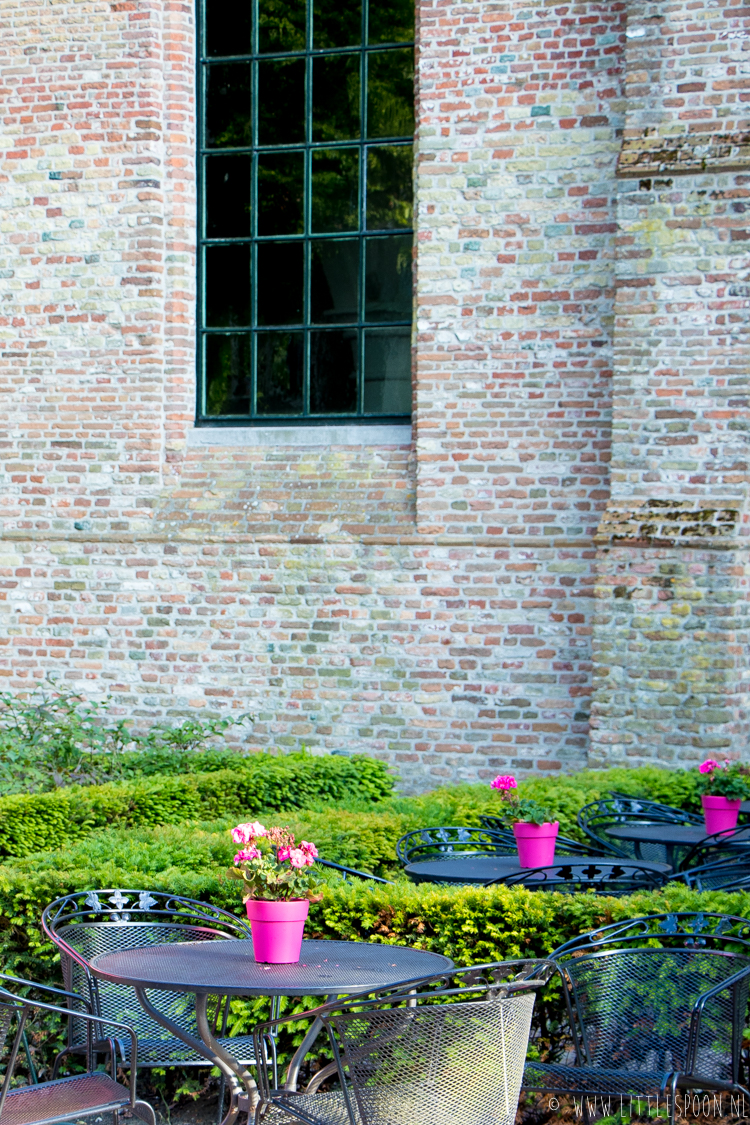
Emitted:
<point x="720" y="813"/>
<point x="536" y="842"/>
<point x="277" y="929"/>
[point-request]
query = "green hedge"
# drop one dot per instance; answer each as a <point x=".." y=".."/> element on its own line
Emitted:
<point x="262" y="782"/>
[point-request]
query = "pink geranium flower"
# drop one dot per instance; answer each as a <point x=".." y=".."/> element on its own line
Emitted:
<point x="298" y="858"/>
<point x="309" y="849"/>
<point x="246" y="854"/>
<point x="246" y="833"/>
<point x="708" y="766"/>
<point x="504" y="782"/>
<point x="282" y="854"/>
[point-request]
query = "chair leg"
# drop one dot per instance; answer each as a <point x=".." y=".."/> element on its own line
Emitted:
<point x="222" y="1087"/>
<point x="145" y="1112"/>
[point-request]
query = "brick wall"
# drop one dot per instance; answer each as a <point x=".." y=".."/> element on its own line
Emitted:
<point x="430" y="602"/>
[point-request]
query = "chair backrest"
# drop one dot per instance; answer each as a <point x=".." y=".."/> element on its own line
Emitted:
<point x="596" y="817"/>
<point x="89" y="923"/>
<point x="655" y="810"/>
<point x="603" y="876"/>
<point x="457" y="1058"/>
<point x="632" y="1009"/>
<point x="563" y="844"/>
<point x="727" y="874"/>
<point x="689" y="929"/>
<point x="718" y="847"/>
<point x="421" y="843"/>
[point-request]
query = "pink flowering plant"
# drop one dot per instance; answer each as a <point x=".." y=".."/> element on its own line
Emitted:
<point x="515" y="809"/>
<point x="272" y="865"/>
<point x="725" y="779"/>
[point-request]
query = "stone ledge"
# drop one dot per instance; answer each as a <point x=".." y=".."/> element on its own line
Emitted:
<point x="670" y="523"/>
<point x="249" y="437"/>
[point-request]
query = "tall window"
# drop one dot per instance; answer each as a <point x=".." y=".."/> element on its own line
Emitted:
<point x="306" y="209"/>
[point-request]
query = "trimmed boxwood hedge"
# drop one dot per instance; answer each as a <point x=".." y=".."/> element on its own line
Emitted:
<point x="32" y="823"/>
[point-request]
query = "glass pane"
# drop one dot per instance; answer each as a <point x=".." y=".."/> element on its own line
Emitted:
<point x="280" y="282"/>
<point x="228" y="26"/>
<point x="334" y="283"/>
<point x="227" y="374"/>
<point x="390" y="94"/>
<point x="389" y="187"/>
<point x="228" y="105"/>
<point x="391" y="21"/>
<point x="227" y="286"/>
<point x="333" y="372"/>
<point x="228" y="196"/>
<point x="388" y="290"/>
<point x="281" y="182"/>
<point x="279" y="366"/>
<point x="335" y="189"/>
<point x="387" y="371"/>
<point x="281" y="25"/>
<point x="281" y="102"/>
<point x="336" y="24"/>
<point x="336" y="98"/>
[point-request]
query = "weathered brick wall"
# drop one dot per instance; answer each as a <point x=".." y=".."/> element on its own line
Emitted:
<point x="671" y="628"/>
<point x="432" y="602"/>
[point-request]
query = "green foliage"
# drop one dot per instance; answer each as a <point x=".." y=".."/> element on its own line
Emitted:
<point x="257" y="784"/>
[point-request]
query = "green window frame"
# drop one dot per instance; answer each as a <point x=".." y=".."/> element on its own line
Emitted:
<point x="305" y="132"/>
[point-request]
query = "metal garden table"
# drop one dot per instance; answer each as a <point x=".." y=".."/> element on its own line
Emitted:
<point x="670" y="835"/>
<point x="480" y="869"/>
<point x="227" y="968"/>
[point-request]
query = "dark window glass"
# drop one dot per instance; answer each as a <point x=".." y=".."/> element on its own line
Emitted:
<point x="336" y="98"/>
<point x="228" y="208"/>
<point x="229" y="105"/>
<point x="228" y="28"/>
<point x="280" y="372"/>
<point x="387" y="371"/>
<point x="281" y="25"/>
<point x="281" y="101"/>
<point x="227" y="367"/>
<point x="280" y="284"/>
<point x="390" y="94"/>
<point x="389" y="190"/>
<point x="388" y="276"/>
<point x="306" y="228"/>
<point x="334" y="288"/>
<point x="281" y="188"/>
<point x="336" y="24"/>
<point x="228" y="286"/>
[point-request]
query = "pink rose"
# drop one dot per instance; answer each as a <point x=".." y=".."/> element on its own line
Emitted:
<point x="308" y="849"/>
<point x="297" y="858"/>
<point x="246" y="855"/>
<point x="504" y="782"/>
<point x="708" y="766"/>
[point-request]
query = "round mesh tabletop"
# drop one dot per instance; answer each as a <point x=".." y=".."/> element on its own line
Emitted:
<point x="482" y="868"/>
<point x="658" y="833"/>
<point x="228" y="968"/>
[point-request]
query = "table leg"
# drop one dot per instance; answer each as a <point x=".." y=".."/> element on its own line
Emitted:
<point x="212" y="1051"/>
<point x="292" y="1074"/>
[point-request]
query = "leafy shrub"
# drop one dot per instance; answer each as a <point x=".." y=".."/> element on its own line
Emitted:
<point x="259" y="783"/>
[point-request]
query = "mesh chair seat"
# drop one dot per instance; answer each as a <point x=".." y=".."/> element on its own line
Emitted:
<point x="590" y="1080"/>
<point x="63" y="1099"/>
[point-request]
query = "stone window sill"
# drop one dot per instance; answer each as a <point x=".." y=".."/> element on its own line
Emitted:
<point x="321" y="436"/>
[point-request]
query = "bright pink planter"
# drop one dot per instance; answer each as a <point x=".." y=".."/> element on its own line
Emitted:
<point x="536" y="842"/>
<point x="277" y="929"/>
<point x="720" y="813"/>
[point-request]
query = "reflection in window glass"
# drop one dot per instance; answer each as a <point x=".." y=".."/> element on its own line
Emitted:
<point x="306" y="204"/>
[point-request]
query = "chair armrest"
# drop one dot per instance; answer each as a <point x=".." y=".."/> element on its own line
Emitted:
<point x="353" y="871"/>
<point x="45" y="988"/>
<point x="697" y="1016"/>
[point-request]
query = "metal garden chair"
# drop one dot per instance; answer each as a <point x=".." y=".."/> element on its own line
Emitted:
<point x="422" y="843"/>
<point x="563" y="844"/>
<point x="347" y="871"/>
<point x="730" y="873"/>
<point x="603" y="876"/>
<point x="444" y="1050"/>
<point x="596" y="817"/>
<point x="719" y="847"/>
<point x="87" y="923"/>
<point x="92" y="1093"/>
<point x="656" y="1005"/>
